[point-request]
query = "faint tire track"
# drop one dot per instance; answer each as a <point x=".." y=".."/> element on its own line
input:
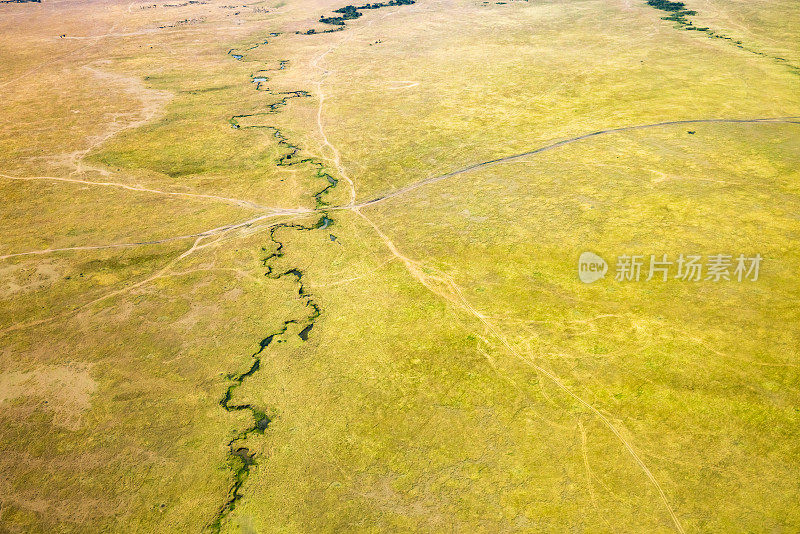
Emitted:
<point x="558" y="144"/>
<point x="236" y="201"/>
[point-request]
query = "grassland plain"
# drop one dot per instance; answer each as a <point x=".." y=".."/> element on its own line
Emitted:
<point x="458" y="375"/>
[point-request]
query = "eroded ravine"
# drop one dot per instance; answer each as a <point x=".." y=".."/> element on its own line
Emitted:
<point x="241" y="458"/>
<point x="680" y="15"/>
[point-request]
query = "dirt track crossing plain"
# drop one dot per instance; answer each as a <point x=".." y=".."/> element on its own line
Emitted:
<point x="301" y="266"/>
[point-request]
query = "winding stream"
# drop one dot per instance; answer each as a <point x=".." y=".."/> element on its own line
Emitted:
<point x="241" y="459"/>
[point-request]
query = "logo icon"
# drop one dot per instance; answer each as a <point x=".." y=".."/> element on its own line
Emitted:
<point x="591" y="267"/>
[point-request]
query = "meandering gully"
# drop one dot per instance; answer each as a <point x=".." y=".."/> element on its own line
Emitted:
<point x="240" y="457"/>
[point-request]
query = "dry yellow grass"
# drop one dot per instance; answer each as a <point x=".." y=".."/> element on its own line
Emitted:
<point x="173" y="270"/>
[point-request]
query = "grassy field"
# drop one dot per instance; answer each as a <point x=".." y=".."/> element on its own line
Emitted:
<point x="251" y="282"/>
